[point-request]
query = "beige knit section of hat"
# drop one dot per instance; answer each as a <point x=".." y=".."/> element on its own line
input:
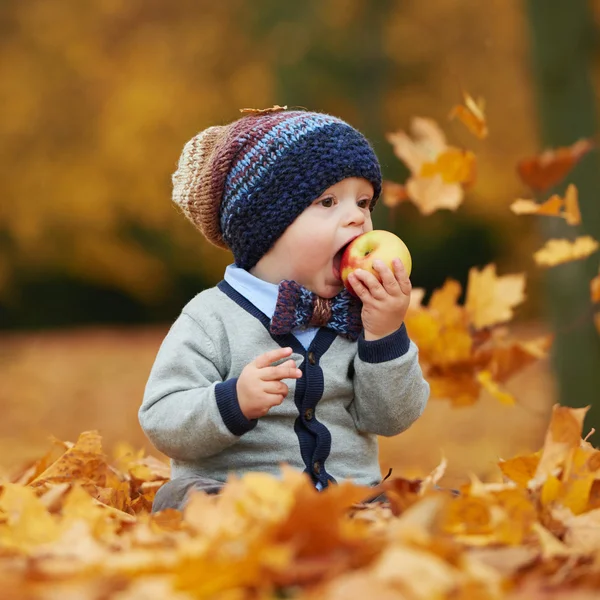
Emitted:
<point x="193" y="191"/>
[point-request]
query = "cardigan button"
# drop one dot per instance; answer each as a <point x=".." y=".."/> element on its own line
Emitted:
<point x="311" y="358"/>
<point x="308" y="414"/>
<point x="317" y="467"/>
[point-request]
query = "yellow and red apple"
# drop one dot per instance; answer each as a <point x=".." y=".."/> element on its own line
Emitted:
<point x="368" y="247"/>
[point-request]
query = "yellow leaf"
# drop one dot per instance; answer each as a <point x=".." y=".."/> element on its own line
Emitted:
<point x="82" y="460"/>
<point x="468" y="515"/>
<point x="550" y="490"/>
<point x="427" y="142"/>
<point x="583" y="531"/>
<point x="520" y="469"/>
<point x="430" y="194"/>
<point x="454" y="166"/>
<point x="550" y="545"/>
<point x="433" y="478"/>
<point x="444" y="303"/>
<point x="491" y="299"/>
<point x="572" y="214"/>
<point x="419" y="573"/>
<point x="485" y="379"/>
<point x="557" y="251"/>
<point x="437" y="171"/>
<point x="563" y="435"/>
<point x="26" y="522"/>
<point x="472" y="115"/>
<point x="577" y="480"/>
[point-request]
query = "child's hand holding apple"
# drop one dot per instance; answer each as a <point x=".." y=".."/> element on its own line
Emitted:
<point x="376" y="267"/>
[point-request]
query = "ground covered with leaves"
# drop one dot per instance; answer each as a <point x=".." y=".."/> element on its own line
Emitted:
<point x="77" y="524"/>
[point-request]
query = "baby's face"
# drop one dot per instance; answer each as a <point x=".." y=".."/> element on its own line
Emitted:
<point x="310" y="246"/>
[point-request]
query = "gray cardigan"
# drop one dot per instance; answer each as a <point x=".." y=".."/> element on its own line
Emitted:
<point x="349" y="393"/>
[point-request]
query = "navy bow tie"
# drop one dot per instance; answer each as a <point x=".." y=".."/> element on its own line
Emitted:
<point x="297" y="306"/>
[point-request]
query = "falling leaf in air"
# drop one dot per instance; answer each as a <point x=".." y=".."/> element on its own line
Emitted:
<point x="558" y="251"/>
<point x="555" y="206"/>
<point x="472" y="115"/>
<point x="439" y="172"/>
<point x="491" y="299"/>
<point x="454" y="165"/>
<point x="595" y="288"/>
<point x="572" y="214"/>
<point x="393" y="194"/>
<point x="262" y="111"/>
<point x="551" y="166"/>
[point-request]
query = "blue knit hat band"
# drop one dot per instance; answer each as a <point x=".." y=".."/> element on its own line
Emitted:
<point x="283" y="174"/>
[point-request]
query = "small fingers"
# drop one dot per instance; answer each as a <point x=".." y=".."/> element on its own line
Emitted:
<point x="276" y="387"/>
<point x="388" y="279"/>
<point x="368" y="285"/>
<point x="268" y="358"/>
<point x="402" y="277"/>
<point x="272" y="400"/>
<point x="286" y="370"/>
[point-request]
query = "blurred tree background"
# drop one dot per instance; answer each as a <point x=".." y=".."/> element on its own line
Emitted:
<point x="100" y="98"/>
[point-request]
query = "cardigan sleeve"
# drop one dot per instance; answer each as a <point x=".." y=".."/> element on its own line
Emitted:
<point x="390" y="392"/>
<point x="188" y="412"/>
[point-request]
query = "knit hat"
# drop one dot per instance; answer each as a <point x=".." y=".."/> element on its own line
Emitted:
<point x="243" y="184"/>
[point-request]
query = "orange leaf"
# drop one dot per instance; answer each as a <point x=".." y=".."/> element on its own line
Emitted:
<point x="503" y="360"/>
<point x="551" y="207"/>
<point x="555" y="206"/>
<point x="262" y="111"/>
<point x="520" y="469"/>
<point x="393" y="194"/>
<point x="558" y="251"/>
<point x="460" y="390"/>
<point x="454" y="166"/>
<point x="472" y="115"/>
<point x="549" y="168"/>
<point x="595" y="288"/>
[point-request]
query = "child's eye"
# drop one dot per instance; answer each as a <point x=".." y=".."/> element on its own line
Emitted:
<point x="364" y="203"/>
<point x="330" y="200"/>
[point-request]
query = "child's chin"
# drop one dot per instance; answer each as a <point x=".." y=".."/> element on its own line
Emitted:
<point x="331" y="290"/>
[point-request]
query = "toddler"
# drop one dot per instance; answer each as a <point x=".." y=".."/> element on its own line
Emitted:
<point x="278" y="362"/>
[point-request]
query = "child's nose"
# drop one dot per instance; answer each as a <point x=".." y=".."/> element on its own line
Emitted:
<point x="355" y="216"/>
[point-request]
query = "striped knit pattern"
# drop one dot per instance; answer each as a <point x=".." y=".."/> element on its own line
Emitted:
<point x="243" y="184"/>
<point x="297" y="306"/>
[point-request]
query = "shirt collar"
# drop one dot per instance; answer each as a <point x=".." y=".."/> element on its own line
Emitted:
<point x="261" y="293"/>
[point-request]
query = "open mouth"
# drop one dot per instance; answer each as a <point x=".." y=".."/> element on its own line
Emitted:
<point x="337" y="260"/>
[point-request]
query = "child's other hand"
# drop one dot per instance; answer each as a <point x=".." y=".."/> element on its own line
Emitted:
<point x="259" y="386"/>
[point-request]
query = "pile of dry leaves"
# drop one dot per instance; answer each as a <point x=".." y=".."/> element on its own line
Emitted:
<point x="78" y="525"/>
